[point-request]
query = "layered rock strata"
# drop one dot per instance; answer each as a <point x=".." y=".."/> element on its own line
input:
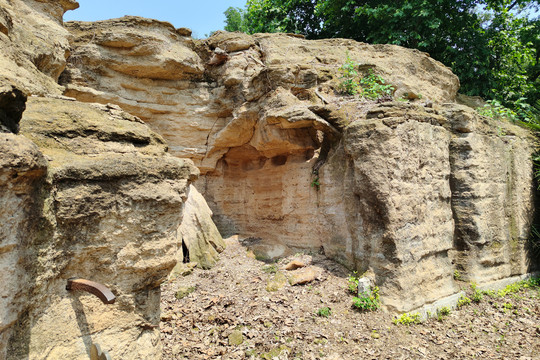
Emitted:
<point x="105" y="205"/>
<point x="204" y="109"/>
<point x="413" y="191"/>
<point x="34" y="44"/>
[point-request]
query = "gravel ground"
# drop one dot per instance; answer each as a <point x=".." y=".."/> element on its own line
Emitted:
<point x="228" y="313"/>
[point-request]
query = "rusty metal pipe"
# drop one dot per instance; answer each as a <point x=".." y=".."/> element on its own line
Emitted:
<point x="92" y="287"/>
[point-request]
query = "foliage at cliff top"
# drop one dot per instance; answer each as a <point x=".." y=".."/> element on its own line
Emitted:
<point x="492" y="45"/>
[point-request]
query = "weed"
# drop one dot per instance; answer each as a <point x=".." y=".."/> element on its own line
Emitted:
<point x="349" y="75"/>
<point x="407" y="319"/>
<point x="477" y="294"/>
<point x="324" y="312"/>
<point x="316" y="183"/>
<point x="462" y="301"/>
<point x="371" y="86"/>
<point x="445" y="310"/>
<point x="442" y="313"/>
<point x="270" y="269"/>
<point x="352" y="283"/>
<point x="374" y="86"/>
<point x="508" y="306"/>
<point x="494" y="109"/>
<point x="457" y="275"/>
<point x="367" y="301"/>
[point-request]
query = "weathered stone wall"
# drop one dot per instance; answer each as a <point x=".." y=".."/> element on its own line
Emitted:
<point x="107" y="210"/>
<point x="22" y="172"/>
<point x="85" y="191"/>
<point x="492" y="195"/>
<point x="34" y="44"/>
<point x="411" y="191"/>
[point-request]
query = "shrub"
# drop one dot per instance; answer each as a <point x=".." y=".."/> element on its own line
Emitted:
<point x="407" y="319"/>
<point x="367" y="301"/>
<point x="463" y="300"/>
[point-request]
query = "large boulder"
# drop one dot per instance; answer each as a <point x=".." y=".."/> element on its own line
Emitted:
<point x="199" y="236"/>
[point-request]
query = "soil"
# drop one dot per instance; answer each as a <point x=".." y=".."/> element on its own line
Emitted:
<point x="228" y="313"/>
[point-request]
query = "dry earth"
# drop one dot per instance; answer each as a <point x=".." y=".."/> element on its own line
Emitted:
<point x="228" y="313"/>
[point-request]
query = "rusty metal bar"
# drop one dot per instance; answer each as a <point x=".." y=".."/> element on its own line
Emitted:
<point x="94" y="288"/>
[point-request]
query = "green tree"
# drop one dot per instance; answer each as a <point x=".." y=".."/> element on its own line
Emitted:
<point x="235" y="19"/>
<point x="492" y="45"/>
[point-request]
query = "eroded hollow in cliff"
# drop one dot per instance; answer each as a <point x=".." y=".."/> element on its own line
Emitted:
<point x="268" y="193"/>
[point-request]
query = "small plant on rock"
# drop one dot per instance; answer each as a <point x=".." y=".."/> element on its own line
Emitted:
<point x="371" y="86"/>
<point x="367" y="301"/>
<point x="375" y="87"/>
<point x="349" y="75"/>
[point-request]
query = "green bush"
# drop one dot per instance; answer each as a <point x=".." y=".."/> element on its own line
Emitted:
<point x="371" y="86"/>
<point x="367" y="301"/>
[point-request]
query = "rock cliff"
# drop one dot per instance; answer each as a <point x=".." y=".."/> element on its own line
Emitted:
<point x="411" y="190"/>
<point x="107" y="209"/>
<point x="88" y="191"/>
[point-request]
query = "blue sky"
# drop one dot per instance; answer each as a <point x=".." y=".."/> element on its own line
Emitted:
<point x="201" y="16"/>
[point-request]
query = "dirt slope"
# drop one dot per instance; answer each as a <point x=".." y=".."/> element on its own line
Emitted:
<point x="232" y="300"/>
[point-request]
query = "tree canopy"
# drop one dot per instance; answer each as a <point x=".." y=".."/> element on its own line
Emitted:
<point x="492" y="45"/>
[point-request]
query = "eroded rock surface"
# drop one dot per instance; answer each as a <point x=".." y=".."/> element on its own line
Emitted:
<point x="407" y="190"/>
<point x="22" y="173"/>
<point x="107" y="210"/>
<point x="254" y="98"/>
<point x="34" y="44"/>
<point x="199" y="236"/>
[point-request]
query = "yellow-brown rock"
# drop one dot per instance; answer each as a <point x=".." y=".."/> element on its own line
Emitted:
<point x="388" y="186"/>
<point x="34" y="44"/>
<point x="105" y="206"/>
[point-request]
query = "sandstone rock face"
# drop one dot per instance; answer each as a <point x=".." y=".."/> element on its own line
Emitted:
<point x="105" y="205"/>
<point x="200" y="236"/>
<point x="252" y="99"/>
<point x="34" y="44"/>
<point x="22" y="172"/>
<point x="411" y="191"/>
<point x="492" y="203"/>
